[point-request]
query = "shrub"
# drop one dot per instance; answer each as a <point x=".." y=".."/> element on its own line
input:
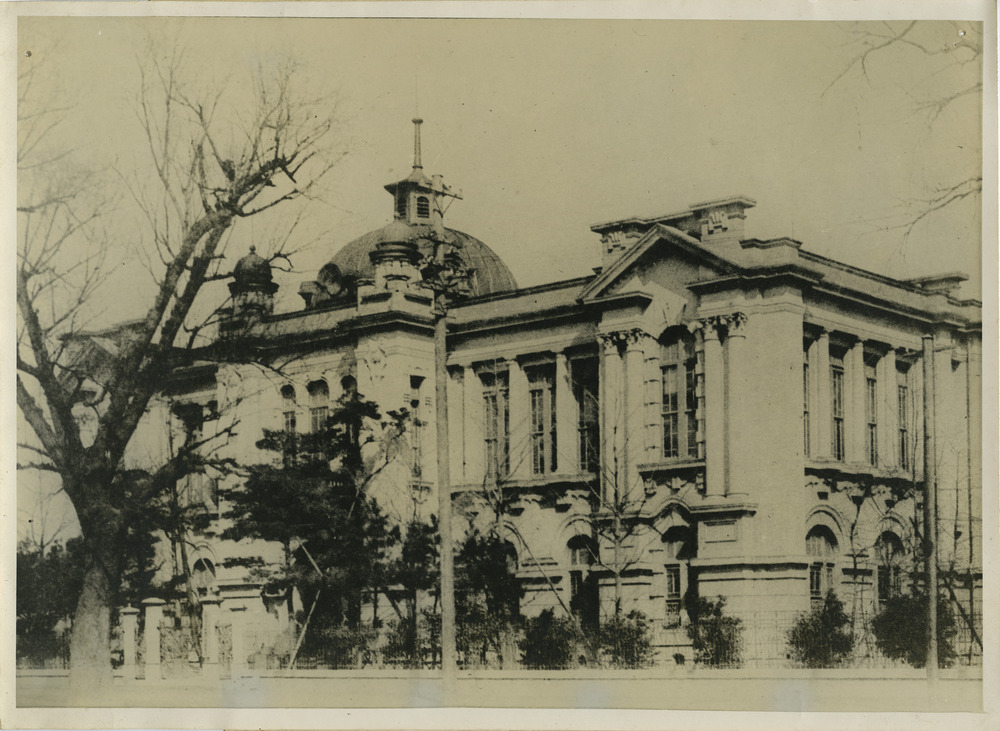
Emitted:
<point x="822" y="638"/>
<point x="900" y="630"/>
<point x="626" y="641"/>
<point x="549" y="642"/>
<point x="715" y="638"/>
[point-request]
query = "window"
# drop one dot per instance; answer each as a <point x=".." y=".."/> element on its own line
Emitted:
<point x="423" y="207"/>
<point x="903" y="416"/>
<point x="585" y="383"/>
<point x="680" y="399"/>
<point x="837" y="406"/>
<point x="400" y="203"/>
<point x="679" y="546"/>
<point x="416" y="424"/>
<point x="889" y="554"/>
<point x="288" y="409"/>
<point x="497" y="424"/>
<point x="871" y="415"/>
<point x="319" y="405"/>
<point x="805" y="408"/>
<point x="583" y="589"/>
<point x="542" y="431"/>
<point x="821" y="547"/>
<point x="203" y="575"/>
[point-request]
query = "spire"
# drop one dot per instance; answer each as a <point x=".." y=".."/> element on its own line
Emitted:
<point x="417" y="121"/>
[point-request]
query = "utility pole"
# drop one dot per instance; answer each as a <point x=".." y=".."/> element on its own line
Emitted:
<point x="444" y="273"/>
<point x="930" y="507"/>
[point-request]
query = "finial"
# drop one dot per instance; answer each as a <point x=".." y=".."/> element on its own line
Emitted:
<point x="253" y="249"/>
<point x="417" y="121"/>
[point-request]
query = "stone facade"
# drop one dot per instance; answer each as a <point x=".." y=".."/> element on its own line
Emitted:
<point x="708" y="410"/>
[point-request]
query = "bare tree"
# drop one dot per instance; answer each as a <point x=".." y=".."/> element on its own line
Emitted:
<point x="922" y="55"/>
<point x="213" y="166"/>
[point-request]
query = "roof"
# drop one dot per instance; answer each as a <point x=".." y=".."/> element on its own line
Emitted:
<point x="491" y="275"/>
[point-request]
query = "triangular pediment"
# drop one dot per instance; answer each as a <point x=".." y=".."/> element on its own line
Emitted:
<point x="665" y="258"/>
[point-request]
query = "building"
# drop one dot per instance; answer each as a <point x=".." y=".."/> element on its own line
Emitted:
<point x="707" y="411"/>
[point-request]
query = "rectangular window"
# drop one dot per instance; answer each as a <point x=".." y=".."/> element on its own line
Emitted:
<point x="288" y="420"/>
<point x="679" y="404"/>
<point x="318" y="415"/>
<point x="816" y="582"/>
<point x="497" y="425"/>
<point x="585" y="384"/>
<point x="542" y="422"/>
<point x="671" y="413"/>
<point x="903" y="416"/>
<point x="805" y="409"/>
<point x="837" y="406"/>
<point x="673" y="595"/>
<point x="871" y="415"/>
<point x="888" y="583"/>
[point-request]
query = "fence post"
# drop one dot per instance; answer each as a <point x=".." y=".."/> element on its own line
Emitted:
<point x="239" y="661"/>
<point x="209" y="635"/>
<point x="151" y="636"/>
<point x="130" y="625"/>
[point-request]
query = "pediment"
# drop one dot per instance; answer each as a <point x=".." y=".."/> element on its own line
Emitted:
<point x="665" y="259"/>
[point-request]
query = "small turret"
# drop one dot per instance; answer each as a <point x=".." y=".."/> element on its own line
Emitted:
<point x="252" y="287"/>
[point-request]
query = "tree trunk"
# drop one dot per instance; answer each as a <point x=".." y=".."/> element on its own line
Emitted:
<point x="90" y="642"/>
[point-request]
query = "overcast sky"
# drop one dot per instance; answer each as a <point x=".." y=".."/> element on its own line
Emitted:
<point x="550" y="126"/>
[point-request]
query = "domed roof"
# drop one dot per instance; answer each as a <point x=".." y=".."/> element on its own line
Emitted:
<point x="252" y="269"/>
<point x="490" y="274"/>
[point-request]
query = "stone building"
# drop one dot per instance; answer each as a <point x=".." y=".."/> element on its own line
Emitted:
<point x="707" y="411"/>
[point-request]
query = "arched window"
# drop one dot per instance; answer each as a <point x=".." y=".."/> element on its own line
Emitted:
<point x="423" y="207"/>
<point x="679" y="402"/>
<point x="821" y="547"/>
<point x="319" y="405"/>
<point x="888" y="572"/>
<point x="203" y="575"/>
<point x="679" y="547"/>
<point x="583" y="589"/>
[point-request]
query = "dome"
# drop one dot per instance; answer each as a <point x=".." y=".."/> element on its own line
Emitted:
<point x="252" y="269"/>
<point x="491" y="275"/>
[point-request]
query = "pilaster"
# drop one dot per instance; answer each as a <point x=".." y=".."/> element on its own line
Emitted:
<point x="567" y="445"/>
<point x="715" y="413"/>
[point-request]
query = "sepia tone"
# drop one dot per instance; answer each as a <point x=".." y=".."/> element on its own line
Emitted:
<point x="398" y="362"/>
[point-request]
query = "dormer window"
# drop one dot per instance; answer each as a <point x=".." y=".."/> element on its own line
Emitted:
<point x="423" y="207"/>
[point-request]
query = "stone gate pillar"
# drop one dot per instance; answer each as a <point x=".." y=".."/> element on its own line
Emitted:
<point x="153" y="609"/>
<point x="210" y="635"/>
<point x="130" y="626"/>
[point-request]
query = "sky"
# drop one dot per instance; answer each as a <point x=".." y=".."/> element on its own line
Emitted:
<point x="550" y="126"/>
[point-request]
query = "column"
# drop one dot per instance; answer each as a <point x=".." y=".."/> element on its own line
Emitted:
<point x="239" y="662"/>
<point x="819" y="355"/>
<point x="610" y="413"/>
<point x="130" y="624"/>
<point x="153" y="611"/>
<point x="520" y="452"/>
<point x="738" y="405"/>
<point x="715" y="413"/>
<point x="632" y="388"/>
<point x="854" y="404"/>
<point x="888" y="411"/>
<point x="456" y="417"/>
<point x="473" y="431"/>
<point x="566" y="416"/>
<point x="210" y="635"/>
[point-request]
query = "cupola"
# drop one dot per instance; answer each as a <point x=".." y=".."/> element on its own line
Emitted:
<point x="252" y="288"/>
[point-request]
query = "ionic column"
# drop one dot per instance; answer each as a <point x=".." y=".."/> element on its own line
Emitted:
<point x="611" y="413"/>
<point x="130" y="624"/>
<point x="153" y="610"/>
<point x="567" y="445"/>
<point x="819" y="355"/>
<point x="715" y="412"/>
<point x="474" y="429"/>
<point x="737" y="435"/>
<point x="854" y="404"/>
